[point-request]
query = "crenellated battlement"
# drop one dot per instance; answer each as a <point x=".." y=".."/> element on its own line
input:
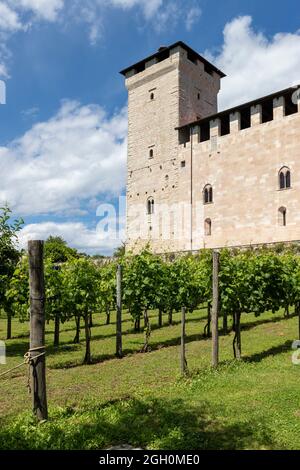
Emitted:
<point x="261" y="111"/>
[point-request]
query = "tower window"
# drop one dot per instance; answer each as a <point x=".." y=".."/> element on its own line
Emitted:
<point x="151" y="153"/>
<point x="282" y="216"/>
<point x="150" y="206"/>
<point x="284" y="178"/>
<point x="207" y="227"/>
<point x="208" y="194"/>
<point x="151" y="96"/>
<point x="199" y="96"/>
<point x="182" y="164"/>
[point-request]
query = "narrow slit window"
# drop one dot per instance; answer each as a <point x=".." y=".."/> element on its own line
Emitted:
<point x="282" y="216"/>
<point x="207" y="227"/>
<point x="150" y="206"/>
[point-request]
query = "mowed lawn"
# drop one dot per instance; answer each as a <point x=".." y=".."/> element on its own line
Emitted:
<point x="141" y="399"/>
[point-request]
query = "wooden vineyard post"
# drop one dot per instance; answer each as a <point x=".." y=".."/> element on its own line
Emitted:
<point x="183" y="362"/>
<point x="37" y="329"/>
<point x="119" y="352"/>
<point x="215" y="310"/>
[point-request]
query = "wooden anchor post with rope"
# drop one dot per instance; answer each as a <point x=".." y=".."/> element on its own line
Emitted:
<point x="37" y="352"/>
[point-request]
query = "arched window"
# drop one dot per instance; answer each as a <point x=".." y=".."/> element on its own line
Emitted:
<point x="207" y="194"/>
<point x="151" y="153"/>
<point x="282" y="216"/>
<point x="207" y="227"/>
<point x="284" y="178"/>
<point x="150" y="206"/>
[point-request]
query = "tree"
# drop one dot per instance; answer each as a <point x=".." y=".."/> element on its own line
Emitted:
<point x="57" y="250"/>
<point x="56" y="305"/>
<point x="107" y="288"/>
<point x="17" y="290"/>
<point x="190" y="281"/>
<point x="9" y="257"/>
<point x="120" y="251"/>
<point x="80" y="282"/>
<point x="142" y="279"/>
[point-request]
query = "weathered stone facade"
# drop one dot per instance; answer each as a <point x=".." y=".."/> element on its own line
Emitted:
<point x="178" y="144"/>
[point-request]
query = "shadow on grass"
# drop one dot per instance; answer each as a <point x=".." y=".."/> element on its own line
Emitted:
<point x="158" y="424"/>
<point x="275" y="319"/>
<point x="281" y="348"/>
<point x="21" y="347"/>
<point x="154" y="346"/>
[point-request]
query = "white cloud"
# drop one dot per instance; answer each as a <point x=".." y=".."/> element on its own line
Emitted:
<point x="78" y="154"/>
<point x="3" y="68"/>
<point x="149" y="7"/>
<point x="44" y="9"/>
<point x="30" y="113"/>
<point x="255" y="65"/>
<point x="166" y="17"/>
<point x="9" y="19"/>
<point x="192" y="17"/>
<point x="92" y="13"/>
<point x="76" y="234"/>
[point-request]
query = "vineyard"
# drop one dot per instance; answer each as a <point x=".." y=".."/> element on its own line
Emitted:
<point x="82" y="328"/>
<point x="254" y="281"/>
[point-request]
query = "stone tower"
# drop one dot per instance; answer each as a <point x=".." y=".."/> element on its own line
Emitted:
<point x="173" y="87"/>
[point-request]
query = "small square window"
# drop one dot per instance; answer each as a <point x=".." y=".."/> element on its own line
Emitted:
<point x="183" y="164"/>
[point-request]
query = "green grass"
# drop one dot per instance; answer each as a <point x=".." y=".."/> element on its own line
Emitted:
<point x="141" y="399"/>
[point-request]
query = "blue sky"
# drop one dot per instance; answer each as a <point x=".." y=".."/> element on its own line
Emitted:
<point x="63" y="128"/>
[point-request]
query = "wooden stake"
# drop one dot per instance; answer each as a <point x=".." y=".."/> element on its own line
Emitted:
<point x="183" y="362"/>
<point x="215" y="310"/>
<point x="37" y="329"/>
<point x="119" y="351"/>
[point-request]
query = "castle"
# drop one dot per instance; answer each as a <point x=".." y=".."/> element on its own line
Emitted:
<point x="202" y="178"/>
